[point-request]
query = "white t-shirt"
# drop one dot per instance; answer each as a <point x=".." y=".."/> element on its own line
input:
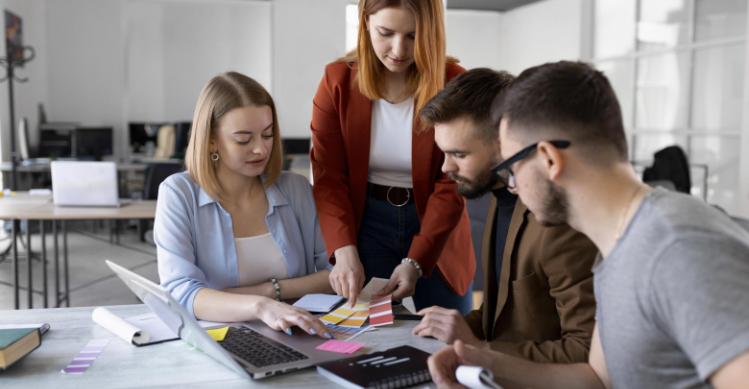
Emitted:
<point x="390" y="146"/>
<point x="259" y="260"/>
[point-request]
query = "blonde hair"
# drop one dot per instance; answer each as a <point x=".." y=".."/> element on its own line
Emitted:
<point x="426" y="76"/>
<point x="222" y="94"/>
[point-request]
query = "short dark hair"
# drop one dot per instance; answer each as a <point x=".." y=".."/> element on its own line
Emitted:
<point x="469" y="95"/>
<point x="569" y="101"/>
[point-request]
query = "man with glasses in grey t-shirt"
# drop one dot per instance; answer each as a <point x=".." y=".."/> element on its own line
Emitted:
<point x="672" y="278"/>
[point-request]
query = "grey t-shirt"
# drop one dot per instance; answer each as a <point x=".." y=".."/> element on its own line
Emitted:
<point x="673" y="295"/>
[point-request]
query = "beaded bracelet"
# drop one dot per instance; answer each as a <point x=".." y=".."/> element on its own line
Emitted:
<point x="278" y="288"/>
<point x="414" y="264"/>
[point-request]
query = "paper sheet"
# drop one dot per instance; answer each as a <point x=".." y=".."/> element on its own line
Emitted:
<point x="340" y="346"/>
<point x="475" y="377"/>
<point x="218" y="334"/>
<point x="318" y="302"/>
<point x="370" y="291"/>
<point x="156" y="329"/>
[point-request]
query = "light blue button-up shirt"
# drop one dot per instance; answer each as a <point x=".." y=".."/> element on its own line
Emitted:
<point x="195" y="238"/>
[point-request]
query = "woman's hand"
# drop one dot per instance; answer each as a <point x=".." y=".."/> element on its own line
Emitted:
<point x="404" y="277"/>
<point x="347" y="277"/>
<point x="281" y="317"/>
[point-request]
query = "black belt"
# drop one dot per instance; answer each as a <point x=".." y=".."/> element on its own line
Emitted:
<point x="394" y="195"/>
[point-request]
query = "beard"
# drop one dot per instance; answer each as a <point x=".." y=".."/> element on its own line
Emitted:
<point x="555" y="206"/>
<point x="473" y="189"/>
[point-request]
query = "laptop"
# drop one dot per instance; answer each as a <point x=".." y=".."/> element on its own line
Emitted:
<point x="251" y="349"/>
<point x="76" y="183"/>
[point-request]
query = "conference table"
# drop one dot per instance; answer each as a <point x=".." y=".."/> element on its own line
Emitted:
<point x="23" y="206"/>
<point x="170" y="364"/>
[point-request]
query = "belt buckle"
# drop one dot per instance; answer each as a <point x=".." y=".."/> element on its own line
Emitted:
<point x="398" y="205"/>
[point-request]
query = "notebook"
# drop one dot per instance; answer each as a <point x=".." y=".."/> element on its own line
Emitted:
<point x="139" y="330"/>
<point x="399" y="367"/>
<point x="15" y="343"/>
<point x="320" y="303"/>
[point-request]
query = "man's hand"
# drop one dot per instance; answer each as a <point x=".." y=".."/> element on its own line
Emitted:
<point x="446" y="325"/>
<point x="404" y="277"/>
<point x="443" y="363"/>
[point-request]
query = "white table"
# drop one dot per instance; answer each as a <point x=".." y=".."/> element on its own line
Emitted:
<point x="22" y="206"/>
<point x="122" y="365"/>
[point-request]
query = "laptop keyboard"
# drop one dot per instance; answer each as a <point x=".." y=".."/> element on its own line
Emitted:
<point x="257" y="349"/>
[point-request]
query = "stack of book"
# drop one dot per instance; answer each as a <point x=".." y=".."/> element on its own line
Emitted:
<point x="15" y="343"/>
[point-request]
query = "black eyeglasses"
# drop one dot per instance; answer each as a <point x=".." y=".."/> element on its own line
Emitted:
<point x="503" y="170"/>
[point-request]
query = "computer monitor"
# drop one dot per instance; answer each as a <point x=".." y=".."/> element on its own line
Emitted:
<point x="55" y="143"/>
<point x="93" y="143"/>
<point x="142" y="133"/>
<point x="292" y="146"/>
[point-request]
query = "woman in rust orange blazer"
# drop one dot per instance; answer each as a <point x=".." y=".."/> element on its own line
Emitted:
<point x="385" y="208"/>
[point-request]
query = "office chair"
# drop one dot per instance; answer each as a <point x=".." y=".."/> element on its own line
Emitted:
<point x="155" y="174"/>
<point x="181" y="139"/>
<point x="670" y="164"/>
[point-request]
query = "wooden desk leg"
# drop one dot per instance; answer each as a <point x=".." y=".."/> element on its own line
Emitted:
<point x="30" y="291"/>
<point x="65" y="262"/>
<point x="44" y="263"/>
<point x="57" y="265"/>
<point x="16" y="286"/>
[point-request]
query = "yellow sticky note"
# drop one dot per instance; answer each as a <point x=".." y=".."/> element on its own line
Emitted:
<point x="218" y="334"/>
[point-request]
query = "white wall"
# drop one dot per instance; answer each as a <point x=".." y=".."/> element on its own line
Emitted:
<point x="144" y="66"/>
<point x="27" y="95"/>
<point x="473" y="37"/>
<point x="515" y="40"/>
<point x="85" y="63"/>
<point x="104" y="62"/>
<point x="307" y="35"/>
<point x="174" y="48"/>
<point x="541" y="32"/>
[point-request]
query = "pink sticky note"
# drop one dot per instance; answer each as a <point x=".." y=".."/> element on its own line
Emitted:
<point x="340" y="346"/>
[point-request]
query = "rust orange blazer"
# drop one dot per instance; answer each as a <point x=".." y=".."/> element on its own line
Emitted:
<point x="341" y="125"/>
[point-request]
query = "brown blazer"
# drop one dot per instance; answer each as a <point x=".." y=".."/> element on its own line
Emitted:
<point x="341" y="132"/>
<point x="543" y="308"/>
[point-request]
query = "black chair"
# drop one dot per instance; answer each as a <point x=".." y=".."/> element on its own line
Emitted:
<point x="181" y="138"/>
<point x="156" y="174"/>
<point x="670" y="164"/>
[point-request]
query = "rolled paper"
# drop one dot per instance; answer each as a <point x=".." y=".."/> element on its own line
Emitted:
<point x="119" y="326"/>
<point x="475" y="377"/>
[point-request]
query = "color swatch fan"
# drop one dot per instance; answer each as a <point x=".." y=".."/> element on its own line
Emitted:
<point x="378" y="309"/>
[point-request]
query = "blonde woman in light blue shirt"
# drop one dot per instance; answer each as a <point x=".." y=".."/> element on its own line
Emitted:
<point x="233" y="233"/>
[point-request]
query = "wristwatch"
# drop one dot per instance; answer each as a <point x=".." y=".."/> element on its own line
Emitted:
<point x="414" y="264"/>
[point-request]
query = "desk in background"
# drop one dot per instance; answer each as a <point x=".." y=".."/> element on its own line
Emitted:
<point x="126" y="366"/>
<point x="22" y="206"/>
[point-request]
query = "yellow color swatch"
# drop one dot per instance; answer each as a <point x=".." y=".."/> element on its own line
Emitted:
<point x="338" y="315"/>
<point x="356" y="320"/>
<point x="218" y="334"/>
